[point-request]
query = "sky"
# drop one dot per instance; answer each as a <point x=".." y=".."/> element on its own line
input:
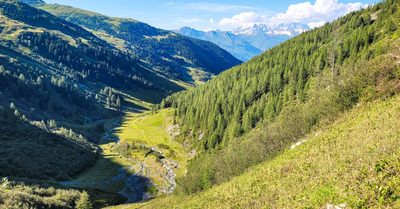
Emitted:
<point x="222" y="14"/>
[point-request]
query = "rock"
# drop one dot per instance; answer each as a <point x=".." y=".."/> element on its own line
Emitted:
<point x="173" y="130"/>
<point x="329" y="206"/>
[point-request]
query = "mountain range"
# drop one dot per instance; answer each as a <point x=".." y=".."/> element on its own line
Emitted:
<point x="60" y="81"/>
<point x="170" y="54"/>
<point x="247" y="42"/>
<point x="97" y="111"/>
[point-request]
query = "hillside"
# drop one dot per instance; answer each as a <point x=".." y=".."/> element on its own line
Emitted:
<point x="310" y="123"/>
<point x="285" y="92"/>
<point x="352" y="163"/>
<point x="171" y="54"/>
<point x="59" y="87"/>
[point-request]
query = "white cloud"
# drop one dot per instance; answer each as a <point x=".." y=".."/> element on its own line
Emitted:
<point x="211" y="20"/>
<point x="322" y="10"/>
<point x="313" y="25"/>
<point x="214" y="7"/>
<point x="315" y="15"/>
<point x="244" y="19"/>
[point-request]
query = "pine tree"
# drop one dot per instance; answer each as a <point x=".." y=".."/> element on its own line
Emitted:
<point x="118" y="104"/>
<point x="39" y="81"/>
<point x="52" y="124"/>
<point x="71" y="134"/>
<point x="22" y="77"/>
<point x="108" y="102"/>
<point x="16" y="113"/>
<point x="83" y="202"/>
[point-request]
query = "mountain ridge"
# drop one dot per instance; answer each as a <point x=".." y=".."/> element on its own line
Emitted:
<point x="171" y="54"/>
<point x="311" y="122"/>
<point x="247" y="42"/>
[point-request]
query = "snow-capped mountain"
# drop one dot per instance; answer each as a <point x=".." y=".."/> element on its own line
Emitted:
<point x="290" y="29"/>
<point x="247" y="42"/>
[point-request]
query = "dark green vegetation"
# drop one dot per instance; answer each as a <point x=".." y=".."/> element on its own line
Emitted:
<point x="14" y="194"/>
<point x="59" y="85"/>
<point x="29" y="151"/>
<point x="166" y="52"/>
<point x="249" y="113"/>
<point x="51" y="107"/>
<point x="78" y="52"/>
<point x="56" y="79"/>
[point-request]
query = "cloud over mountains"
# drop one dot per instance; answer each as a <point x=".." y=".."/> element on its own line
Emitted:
<point x="313" y="14"/>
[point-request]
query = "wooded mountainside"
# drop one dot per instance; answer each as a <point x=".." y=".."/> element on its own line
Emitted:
<point x="166" y="52"/>
<point x="286" y="91"/>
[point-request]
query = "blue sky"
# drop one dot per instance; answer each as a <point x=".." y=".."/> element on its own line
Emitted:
<point x="223" y="14"/>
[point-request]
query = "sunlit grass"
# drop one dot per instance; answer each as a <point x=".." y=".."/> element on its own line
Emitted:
<point x="149" y="129"/>
<point x="354" y="161"/>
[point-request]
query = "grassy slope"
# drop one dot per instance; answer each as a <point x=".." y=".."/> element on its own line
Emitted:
<point x="354" y="161"/>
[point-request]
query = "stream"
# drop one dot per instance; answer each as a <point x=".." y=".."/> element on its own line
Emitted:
<point x="137" y="184"/>
<point x="145" y="170"/>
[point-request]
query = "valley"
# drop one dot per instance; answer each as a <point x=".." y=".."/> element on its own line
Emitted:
<point x="105" y="112"/>
<point x="137" y="158"/>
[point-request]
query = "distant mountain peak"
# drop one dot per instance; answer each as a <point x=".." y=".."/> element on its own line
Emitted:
<point x="290" y="29"/>
<point x="247" y="42"/>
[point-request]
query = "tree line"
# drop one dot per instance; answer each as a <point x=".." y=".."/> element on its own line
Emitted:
<point x="283" y="93"/>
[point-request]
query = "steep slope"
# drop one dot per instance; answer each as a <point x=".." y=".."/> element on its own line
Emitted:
<point x="166" y="52"/>
<point x="23" y="142"/>
<point x="247" y="42"/>
<point x="36" y="91"/>
<point x="59" y="85"/>
<point x="285" y="92"/>
<point x="352" y="163"/>
<point x="71" y="51"/>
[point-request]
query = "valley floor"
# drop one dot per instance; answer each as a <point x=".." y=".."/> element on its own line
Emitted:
<point x="138" y="159"/>
<point x="351" y="163"/>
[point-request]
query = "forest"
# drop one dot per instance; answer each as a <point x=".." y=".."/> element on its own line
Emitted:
<point x="73" y="104"/>
<point x="284" y="93"/>
<point x="166" y="51"/>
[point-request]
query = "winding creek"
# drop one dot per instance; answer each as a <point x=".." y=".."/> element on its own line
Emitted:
<point x="136" y="184"/>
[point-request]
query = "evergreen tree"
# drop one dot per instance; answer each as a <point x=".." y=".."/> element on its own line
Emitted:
<point x="39" y="81"/>
<point x="118" y="104"/>
<point x="108" y="102"/>
<point x="84" y="201"/>
<point x="22" y="77"/>
<point x="16" y="113"/>
<point x="71" y="134"/>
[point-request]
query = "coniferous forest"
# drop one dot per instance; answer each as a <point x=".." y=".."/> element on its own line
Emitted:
<point x="285" y="92"/>
<point x="97" y="111"/>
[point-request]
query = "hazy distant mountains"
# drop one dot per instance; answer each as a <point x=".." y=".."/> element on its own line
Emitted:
<point x="247" y="42"/>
